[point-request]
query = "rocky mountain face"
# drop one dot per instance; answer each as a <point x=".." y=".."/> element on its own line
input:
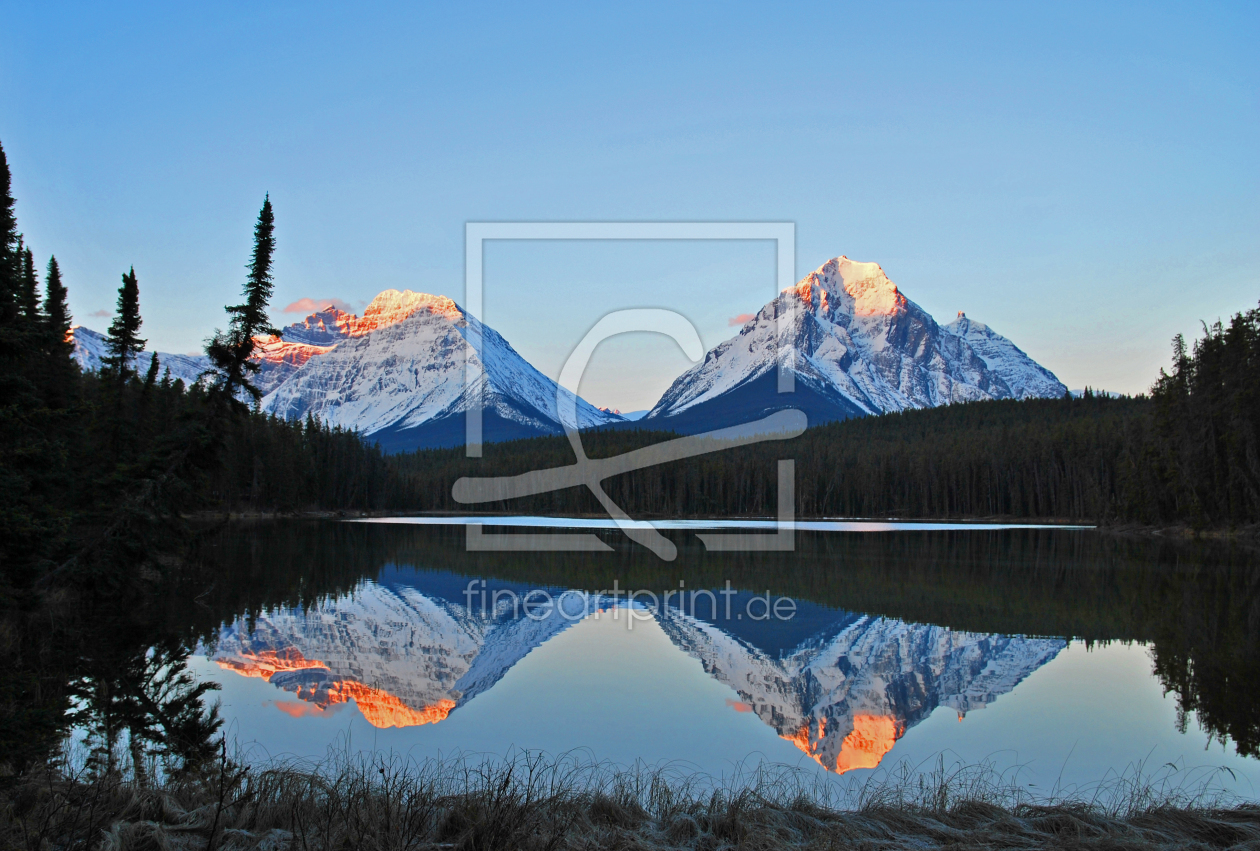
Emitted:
<point x="846" y="698"/>
<point x="404" y="657"/>
<point x="398" y="376"/>
<point x="856" y="346"/>
<point x="844" y="695"/>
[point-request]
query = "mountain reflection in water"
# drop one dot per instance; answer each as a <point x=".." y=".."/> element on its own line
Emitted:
<point x="1135" y="644"/>
<point x="844" y="694"/>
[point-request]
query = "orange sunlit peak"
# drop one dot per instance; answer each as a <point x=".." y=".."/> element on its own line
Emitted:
<point x="807" y="743"/>
<point x="382" y="709"/>
<point x="266" y="663"/>
<point x="873" y="736"/>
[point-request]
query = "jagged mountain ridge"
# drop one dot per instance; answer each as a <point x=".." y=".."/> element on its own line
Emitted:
<point x="396" y="374"/>
<point x="846" y="698"/>
<point x="856" y="346"/>
<point x="405" y="657"/>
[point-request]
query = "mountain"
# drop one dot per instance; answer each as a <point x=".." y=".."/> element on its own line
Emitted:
<point x="856" y="346"/>
<point x="406" y="658"/>
<point x="277" y="359"/>
<point x="89" y="352"/>
<point x="845" y="695"/>
<point x="397" y="376"/>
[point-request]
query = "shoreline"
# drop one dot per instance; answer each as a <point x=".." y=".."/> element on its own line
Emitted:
<point x="530" y="800"/>
<point x="1173" y="532"/>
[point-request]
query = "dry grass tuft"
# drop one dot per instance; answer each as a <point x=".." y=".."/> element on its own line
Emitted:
<point x="529" y="801"/>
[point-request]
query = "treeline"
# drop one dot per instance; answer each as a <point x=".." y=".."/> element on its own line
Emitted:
<point x="1063" y="459"/>
<point x="1189" y="453"/>
<point x="1208" y="418"/>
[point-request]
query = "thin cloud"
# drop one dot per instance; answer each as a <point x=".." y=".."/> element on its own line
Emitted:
<point x="104" y="314"/>
<point x="314" y="305"/>
<point x="741" y="319"/>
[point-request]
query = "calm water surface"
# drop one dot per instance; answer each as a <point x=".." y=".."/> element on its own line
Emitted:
<point x="1064" y="651"/>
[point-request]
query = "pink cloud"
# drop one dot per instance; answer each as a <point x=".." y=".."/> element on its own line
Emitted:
<point x="741" y="319"/>
<point x="314" y="305"/>
<point x="738" y="705"/>
<point x="104" y="314"/>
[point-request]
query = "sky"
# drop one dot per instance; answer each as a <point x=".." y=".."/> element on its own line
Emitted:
<point x="1084" y="178"/>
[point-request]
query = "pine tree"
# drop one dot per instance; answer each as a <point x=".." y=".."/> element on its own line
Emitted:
<point x="58" y="347"/>
<point x="10" y="258"/>
<point x="122" y="341"/>
<point x="29" y="291"/>
<point x="230" y="352"/>
<point x="56" y="310"/>
<point x="150" y="377"/>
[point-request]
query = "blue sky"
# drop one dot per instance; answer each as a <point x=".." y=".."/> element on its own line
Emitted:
<point x="1084" y="178"/>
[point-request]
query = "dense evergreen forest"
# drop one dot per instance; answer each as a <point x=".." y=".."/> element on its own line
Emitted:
<point x="1186" y="454"/>
<point x="97" y="474"/>
<point x="96" y="467"/>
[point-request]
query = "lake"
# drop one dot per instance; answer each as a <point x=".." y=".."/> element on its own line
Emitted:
<point x="1064" y="654"/>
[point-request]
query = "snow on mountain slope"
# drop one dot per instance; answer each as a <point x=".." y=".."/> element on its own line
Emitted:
<point x="402" y="366"/>
<point x="278" y="360"/>
<point x="404" y="657"/>
<point x="853" y="339"/>
<point x="89" y="352"/>
<point x="1024" y="376"/>
<point x="845" y="699"/>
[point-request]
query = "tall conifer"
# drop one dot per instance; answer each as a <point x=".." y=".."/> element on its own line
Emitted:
<point x="29" y="291"/>
<point x="122" y="342"/>
<point x="230" y="352"/>
<point x="10" y="259"/>
<point x="56" y="310"/>
<point x="58" y="347"/>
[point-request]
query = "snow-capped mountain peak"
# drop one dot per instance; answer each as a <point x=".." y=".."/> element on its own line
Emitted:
<point x="1024" y="377"/>
<point x="323" y="328"/>
<point x="857" y="346"/>
<point x="394" y="306"/>
<point x="318" y="333"/>
<point x="398" y="375"/>
<point x="861" y="289"/>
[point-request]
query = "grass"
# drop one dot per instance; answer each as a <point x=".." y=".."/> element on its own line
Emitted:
<point x="531" y="801"/>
